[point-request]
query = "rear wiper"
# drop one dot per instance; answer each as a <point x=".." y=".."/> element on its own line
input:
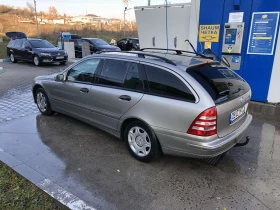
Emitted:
<point x="223" y="60"/>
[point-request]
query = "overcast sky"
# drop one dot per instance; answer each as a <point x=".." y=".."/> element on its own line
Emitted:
<point x="105" y="8"/>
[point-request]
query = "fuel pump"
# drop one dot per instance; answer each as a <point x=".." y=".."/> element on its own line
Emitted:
<point x="232" y="44"/>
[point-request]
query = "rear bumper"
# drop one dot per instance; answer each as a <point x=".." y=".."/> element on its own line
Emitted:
<point x="180" y="145"/>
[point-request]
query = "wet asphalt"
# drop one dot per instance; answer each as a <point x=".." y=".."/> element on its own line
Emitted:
<point x="97" y="167"/>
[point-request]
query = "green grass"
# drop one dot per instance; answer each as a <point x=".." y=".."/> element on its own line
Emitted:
<point x="17" y="193"/>
<point x="3" y="49"/>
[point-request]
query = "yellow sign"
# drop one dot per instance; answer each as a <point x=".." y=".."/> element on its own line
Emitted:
<point x="207" y="45"/>
<point x="209" y="33"/>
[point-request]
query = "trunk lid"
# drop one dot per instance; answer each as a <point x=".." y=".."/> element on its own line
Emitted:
<point x="230" y="92"/>
<point x="16" y="35"/>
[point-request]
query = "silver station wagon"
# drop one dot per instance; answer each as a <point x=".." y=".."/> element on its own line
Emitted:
<point x="174" y="102"/>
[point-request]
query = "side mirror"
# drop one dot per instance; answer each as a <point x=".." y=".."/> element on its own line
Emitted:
<point x="59" y="78"/>
<point x="27" y="48"/>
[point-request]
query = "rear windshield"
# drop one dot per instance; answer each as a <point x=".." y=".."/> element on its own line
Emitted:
<point x="98" y="42"/>
<point x="41" y="44"/>
<point x="221" y="83"/>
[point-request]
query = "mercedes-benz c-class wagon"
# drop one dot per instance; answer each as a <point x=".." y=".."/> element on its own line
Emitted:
<point x="158" y="103"/>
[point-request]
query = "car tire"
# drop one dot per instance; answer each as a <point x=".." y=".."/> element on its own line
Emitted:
<point x="62" y="63"/>
<point x="36" y="60"/>
<point x="43" y="102"/>
<point x="141" y="142"/>
<point x="12" y="57"/>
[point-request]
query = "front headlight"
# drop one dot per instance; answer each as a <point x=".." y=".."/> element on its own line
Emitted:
<point x="45" y="54"/>
<point x="65" y="53"/>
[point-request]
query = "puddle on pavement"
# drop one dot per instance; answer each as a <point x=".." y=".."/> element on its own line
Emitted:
<point x="97" y="168"/>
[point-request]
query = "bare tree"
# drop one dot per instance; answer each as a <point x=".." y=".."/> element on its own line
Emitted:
<point x="126" y="2"/>
<point x="52" y="12"/>
<point x="30" y="7"/>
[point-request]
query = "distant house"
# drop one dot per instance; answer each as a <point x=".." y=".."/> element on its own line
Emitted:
<point x="58" y="22"/>
<point x="82" y="19"/>
<point x="115" y="20"/>
<point x="26" y="20"/>
<point x="90" y="18"/>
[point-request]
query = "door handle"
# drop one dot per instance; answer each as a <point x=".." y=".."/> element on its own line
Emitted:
<point x="84" y="90"/>
<point x="125" y="98"/>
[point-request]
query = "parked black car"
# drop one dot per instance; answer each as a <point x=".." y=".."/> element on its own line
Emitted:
<point x="99" y="45"/>
<point x="38" y="51"/>
<point x="95" y="46"/>
<point x="128" y="44"/>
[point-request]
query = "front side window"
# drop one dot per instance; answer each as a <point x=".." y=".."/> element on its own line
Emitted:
<point x="83" y="72"/>
<point x="18" y="43"/>
<point x="166" y="84"/>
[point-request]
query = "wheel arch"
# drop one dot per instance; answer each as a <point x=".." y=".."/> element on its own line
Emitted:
<point x="35" y="88"/>
<point x="132" y="119"/>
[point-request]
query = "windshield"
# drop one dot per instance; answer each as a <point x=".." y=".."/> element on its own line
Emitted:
<point x="41" y="44"/>
<point x="220" y="82"/>
<point x="97" y="42"/>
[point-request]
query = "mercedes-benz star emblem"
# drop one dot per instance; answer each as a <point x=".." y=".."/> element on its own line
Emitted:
<point x="242" y="100"/>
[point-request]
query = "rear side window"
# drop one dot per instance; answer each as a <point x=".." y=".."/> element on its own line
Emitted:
<point x="166" y="84"/>
<point x="121" y="74"/>
<point x="18" y="43"/>
<point x="11" y="43"/>
<point x="221" y="83"/>
<point x="113" y="73"/>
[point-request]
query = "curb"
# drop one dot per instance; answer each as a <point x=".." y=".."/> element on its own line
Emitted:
<point x="5" y="60"/>
<point x="55" y="191"/>
<point x="265" y="110"/>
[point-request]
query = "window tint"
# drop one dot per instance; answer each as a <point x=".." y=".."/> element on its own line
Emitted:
<point x="98" y="42"/>
<point x="18" y="43"/>
<point x="221" y="83"/>
<point x="41" y="44"/>
<point x="84" y="71"/>
<point x="132" y="80"/>
<point x="166" y="84"/>
<point x="26" y="44"/>
<point x="11" y="43"/>
<point x="135" y="41"/>
<point x="113" y="73"/>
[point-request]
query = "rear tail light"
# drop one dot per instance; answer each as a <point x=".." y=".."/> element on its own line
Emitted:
<point x="205" y="124"/>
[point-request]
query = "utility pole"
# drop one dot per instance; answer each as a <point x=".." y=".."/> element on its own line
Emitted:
<point x="38" y="35"/>
<point x="149" y="2"/>
<point x="124" y="21"/>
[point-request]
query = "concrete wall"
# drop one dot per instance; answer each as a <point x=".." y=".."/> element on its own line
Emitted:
<point x="274" y="87"/>
<point x="69" y="48"/>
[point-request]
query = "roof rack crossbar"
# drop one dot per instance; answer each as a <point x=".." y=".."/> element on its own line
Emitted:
<point x="178" y="52"/>
<point x="142" y="55"/>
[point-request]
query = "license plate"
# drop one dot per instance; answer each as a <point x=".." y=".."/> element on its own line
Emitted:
<point x="237" y="114"/>
<point x="60" y="57"/>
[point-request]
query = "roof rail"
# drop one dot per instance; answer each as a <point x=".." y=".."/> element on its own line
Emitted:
<point x="142" y="55"/>
<point x="178" y="52"/>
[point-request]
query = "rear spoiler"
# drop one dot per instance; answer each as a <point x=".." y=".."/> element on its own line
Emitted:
<point x="16" y="35"/>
